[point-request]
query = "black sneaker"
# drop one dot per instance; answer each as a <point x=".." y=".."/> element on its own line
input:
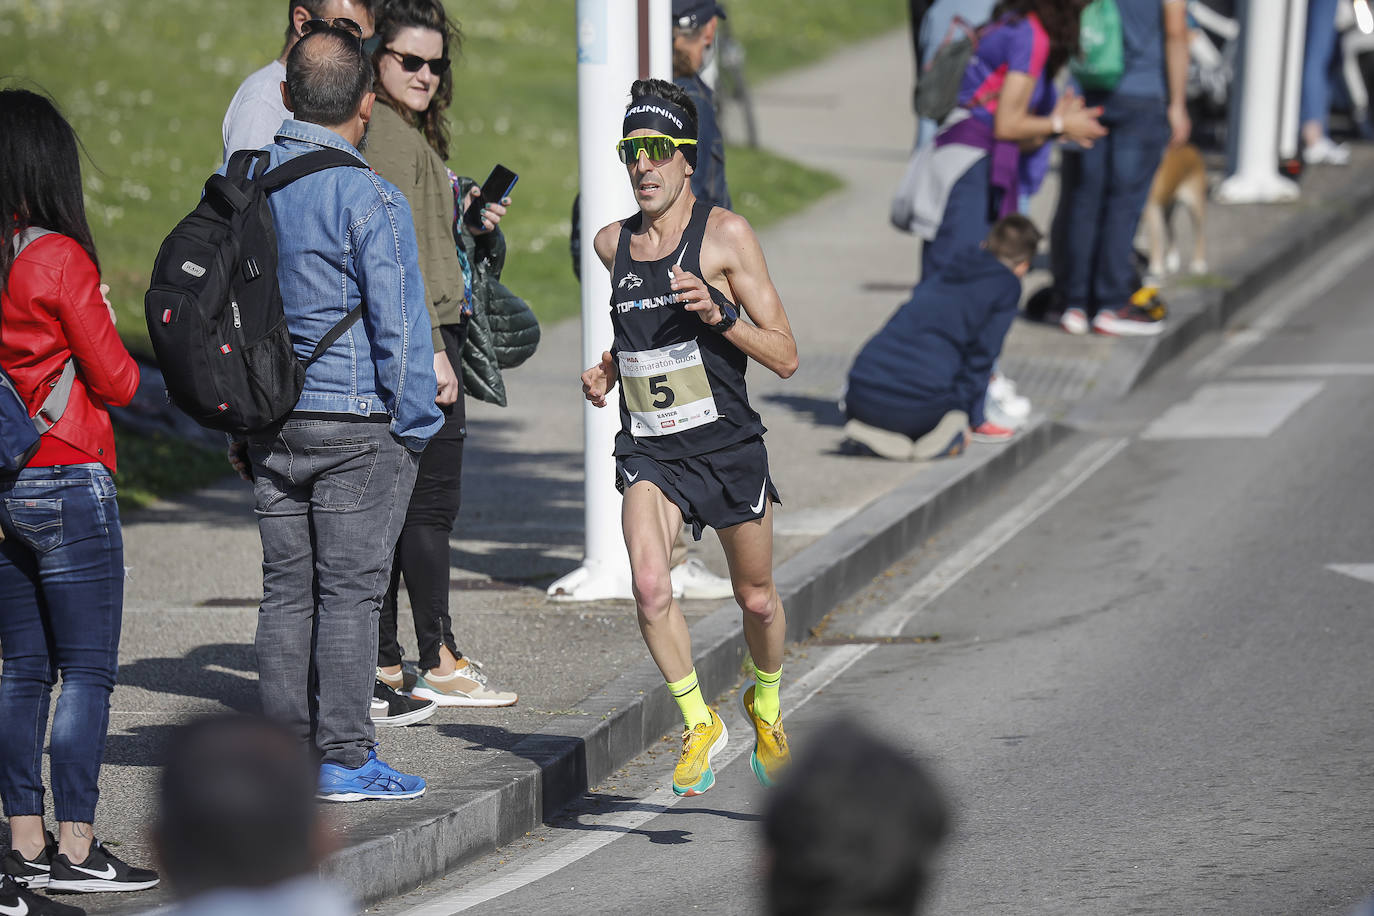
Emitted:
<point x="30" y="872"/>
<point x="390" y="708"/>
<point x="20" y="901"/>
<point x="102" y="871"/>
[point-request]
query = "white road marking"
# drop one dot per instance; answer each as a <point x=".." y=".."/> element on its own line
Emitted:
<point x="1362" y="571"/>
<point x="1233" y="410"/>
<point x="888" y="622"/>
<point x="1297" y="370"/>
<point x="1301" y="289"/>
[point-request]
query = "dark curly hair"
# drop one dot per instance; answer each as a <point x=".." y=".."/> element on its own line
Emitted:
<point x="392" y="17"/>
<point x="664" y="90"/>
<point x="1060" y="19"/>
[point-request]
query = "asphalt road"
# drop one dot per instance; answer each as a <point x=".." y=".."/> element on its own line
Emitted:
<point x="1150" y="691"/>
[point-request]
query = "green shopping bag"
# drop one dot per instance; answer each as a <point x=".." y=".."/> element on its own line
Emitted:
<point x="1102" y="59"/>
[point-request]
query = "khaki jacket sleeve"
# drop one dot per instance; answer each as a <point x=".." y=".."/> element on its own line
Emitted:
<point x="400" y="154"/>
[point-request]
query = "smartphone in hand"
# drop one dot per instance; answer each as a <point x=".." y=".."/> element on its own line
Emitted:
<point x="494" y="190"/>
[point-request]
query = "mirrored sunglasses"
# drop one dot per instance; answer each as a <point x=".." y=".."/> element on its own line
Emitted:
<point x="658" y="147"/>
<point x="412" y="63"/>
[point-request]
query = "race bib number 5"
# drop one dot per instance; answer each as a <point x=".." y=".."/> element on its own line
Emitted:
<point x="666" y="390"/>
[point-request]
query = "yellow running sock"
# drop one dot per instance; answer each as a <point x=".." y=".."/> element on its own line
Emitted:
<point x="766" y="705"/>
<point x="687" y="692"/>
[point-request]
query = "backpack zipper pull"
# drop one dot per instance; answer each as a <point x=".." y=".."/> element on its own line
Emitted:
<point x="235" y="306"/>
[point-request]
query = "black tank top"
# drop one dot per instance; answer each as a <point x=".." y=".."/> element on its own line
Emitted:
<point x="682" y="389"/>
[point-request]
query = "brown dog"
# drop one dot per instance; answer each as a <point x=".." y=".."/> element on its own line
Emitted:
<point x="1181" y="179"/>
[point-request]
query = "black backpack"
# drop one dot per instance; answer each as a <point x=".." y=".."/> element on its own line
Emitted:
<point x="214" y="309"/>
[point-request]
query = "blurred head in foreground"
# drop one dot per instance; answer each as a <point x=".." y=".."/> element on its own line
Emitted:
<point x="853" y="829"/>
<point x="236" y="807"/>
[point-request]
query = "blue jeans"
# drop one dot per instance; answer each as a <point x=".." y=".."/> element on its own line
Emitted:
<point x="966" y="222"/>
<point x="1320" y="42"/>
<point x="61" y="605"/>
<point x="331" y="497"/>
<point x="1102" y="194"/>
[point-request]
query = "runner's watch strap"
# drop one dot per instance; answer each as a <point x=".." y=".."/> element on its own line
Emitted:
<point x="729" y="316"/>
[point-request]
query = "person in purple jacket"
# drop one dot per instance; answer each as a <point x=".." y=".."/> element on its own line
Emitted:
<point x="993" y="148"/>
<point x="919" y="384"/>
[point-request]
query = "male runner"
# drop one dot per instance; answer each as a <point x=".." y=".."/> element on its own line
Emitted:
<point x="690" y="447"/>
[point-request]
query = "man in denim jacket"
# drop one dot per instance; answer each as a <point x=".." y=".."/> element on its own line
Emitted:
<point x="333" y="483"/>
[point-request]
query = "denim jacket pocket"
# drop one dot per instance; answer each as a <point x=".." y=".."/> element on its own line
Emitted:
<point x="37" y="522"/>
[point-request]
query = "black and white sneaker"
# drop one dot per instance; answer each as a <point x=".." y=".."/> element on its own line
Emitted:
<point x="102" y="871"/>
<point x="390" y="708"/>
<point x="30" y="872"/>
<point x="20" y="901"/>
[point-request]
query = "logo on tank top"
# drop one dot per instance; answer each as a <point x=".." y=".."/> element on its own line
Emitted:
<point x="654" y="302"/>
<point x="630" y="281"/>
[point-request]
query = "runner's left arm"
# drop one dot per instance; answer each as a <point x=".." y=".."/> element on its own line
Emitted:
<point x="732" y="249"/>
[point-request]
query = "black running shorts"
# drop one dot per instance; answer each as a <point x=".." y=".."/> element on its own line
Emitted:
<point x="718" y="489"/>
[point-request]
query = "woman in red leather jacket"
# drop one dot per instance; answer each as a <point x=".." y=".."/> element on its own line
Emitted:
<point x="62" y="556"/>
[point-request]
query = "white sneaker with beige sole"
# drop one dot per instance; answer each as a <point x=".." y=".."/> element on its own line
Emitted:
<point x="465" y="687"/>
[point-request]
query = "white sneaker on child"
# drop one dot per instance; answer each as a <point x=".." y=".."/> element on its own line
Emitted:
<point x="1011" y="409"/>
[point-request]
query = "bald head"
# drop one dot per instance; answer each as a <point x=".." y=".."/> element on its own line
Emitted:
<point x="328" y="78"/>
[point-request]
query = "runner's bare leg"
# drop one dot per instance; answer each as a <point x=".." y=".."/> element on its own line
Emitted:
<point x="651" y="522"/>
<point x="749" y="551"/>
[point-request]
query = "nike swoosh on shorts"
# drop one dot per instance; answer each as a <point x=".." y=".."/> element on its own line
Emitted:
<point x="631" y="477"/>
<point x="763" y="494"/>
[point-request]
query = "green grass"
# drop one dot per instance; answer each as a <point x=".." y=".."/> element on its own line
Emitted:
<point x="146" y="83"/>
<point x="155" y="465"/>
<point x="778" y="35"/>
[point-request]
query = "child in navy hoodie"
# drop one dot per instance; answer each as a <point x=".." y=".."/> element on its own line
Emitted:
<point x="919" y="384"/>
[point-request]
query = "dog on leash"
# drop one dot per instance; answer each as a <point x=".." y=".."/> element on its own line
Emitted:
<point x="1180" y="179"/>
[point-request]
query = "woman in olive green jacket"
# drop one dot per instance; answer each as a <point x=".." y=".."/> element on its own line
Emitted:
<point x="407" y="145"/>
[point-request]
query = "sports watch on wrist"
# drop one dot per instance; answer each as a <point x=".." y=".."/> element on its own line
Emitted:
<point x="729" y="315"/>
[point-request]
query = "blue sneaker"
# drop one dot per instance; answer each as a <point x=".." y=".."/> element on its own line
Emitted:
<point x="373" y="780"/>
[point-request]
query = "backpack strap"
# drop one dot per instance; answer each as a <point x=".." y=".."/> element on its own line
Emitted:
<point x="240" y="168"/>
<point x="55" y="404"/>
<point x="28" y="237"/>
<point x="247" y="164"/>
<point x="334" y="333"/>
<point x="307" y="164"/>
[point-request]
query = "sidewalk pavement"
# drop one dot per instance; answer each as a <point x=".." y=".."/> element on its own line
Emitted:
<point x="590" y="698"/>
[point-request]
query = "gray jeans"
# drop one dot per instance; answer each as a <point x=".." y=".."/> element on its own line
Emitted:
<point x="331" y="497"/>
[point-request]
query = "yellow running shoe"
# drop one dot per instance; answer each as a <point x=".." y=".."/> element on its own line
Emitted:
<point x="771" y="754"/>
<point x="693" y="774"/>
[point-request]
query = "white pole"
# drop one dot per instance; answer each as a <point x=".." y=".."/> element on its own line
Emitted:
<point x="1257" y="179"/>
<point x="607" y="63"/>
<point x="661" y="39"/>
<point x="1292" y="78"/>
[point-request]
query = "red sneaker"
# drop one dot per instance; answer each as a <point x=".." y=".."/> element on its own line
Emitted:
<point x="988" y="431"/>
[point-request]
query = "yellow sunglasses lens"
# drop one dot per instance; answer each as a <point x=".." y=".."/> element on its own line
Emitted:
<point x="658" y="149"/>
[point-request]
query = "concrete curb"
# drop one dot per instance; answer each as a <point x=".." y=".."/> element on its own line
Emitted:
<point x="550" y="768"/>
